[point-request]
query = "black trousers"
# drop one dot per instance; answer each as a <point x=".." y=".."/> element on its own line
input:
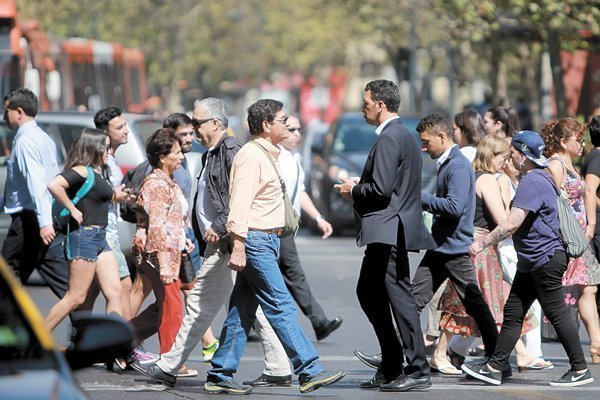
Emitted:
<point x="295" y="280"/>
<point x="24" y="251"/>
<point x="545" y="285"/>
<point x="384" y="292"/>
<point x="433" y="271"/>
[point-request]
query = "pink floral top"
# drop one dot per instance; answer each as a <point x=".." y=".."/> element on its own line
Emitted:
<point x="161" y="214"/>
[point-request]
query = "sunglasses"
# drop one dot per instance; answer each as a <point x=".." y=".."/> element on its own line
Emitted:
<point x="299" y="130"/>
<point x="197" y="123"/>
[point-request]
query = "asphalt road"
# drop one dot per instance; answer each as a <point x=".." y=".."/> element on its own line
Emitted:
<point x="332" y="268"/>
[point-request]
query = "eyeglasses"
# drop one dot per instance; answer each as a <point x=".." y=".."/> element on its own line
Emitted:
<point x="580" y="141"/>
<point x="282" y="120"/>
<point x="197" y="123"/>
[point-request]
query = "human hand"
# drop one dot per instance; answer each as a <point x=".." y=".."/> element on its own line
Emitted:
<point x="47" y="234"/>
<point x="325" y="227"/>
<point x="211" y="236"/>
<point x="346" y="186"/>
<point x="237" y="261"/>
<point x="476" y="248"/>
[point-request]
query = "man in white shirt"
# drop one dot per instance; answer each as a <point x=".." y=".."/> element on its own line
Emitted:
<point x="31" y="241"/>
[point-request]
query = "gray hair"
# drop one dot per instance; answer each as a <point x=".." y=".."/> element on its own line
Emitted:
<point x="214" y="108"/>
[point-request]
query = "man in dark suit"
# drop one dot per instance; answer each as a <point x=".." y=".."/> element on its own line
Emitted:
<point x="389" y="222"/>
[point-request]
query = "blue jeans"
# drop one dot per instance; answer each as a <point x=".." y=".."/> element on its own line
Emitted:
<point x="261" y="283"/>
<point x="194" y="255"/>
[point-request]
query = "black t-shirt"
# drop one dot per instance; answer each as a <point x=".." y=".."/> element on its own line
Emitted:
<point x="592" y="166"/>
<point x="94" y="205"/>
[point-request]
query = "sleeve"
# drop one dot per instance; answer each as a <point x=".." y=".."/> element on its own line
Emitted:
<point x="220" y="221"/>
<point x="73" y="178"/>
<point x="457" y="198"/>
<point x="29" y="160"/>
<point x="528" y="195"/>
<point x="594" y="166"/>
<point x="153" y="198"/>
<point x="385" y="161"/>
<point x="243" y="186"/>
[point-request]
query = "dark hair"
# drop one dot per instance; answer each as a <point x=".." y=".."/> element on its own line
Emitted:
<point x="553" y="131"/>
<point x="105" y="115"/>
<point x="386" y="92"/>
<point x="159" y="144"/>
<point x="595" y="130"/>
<point x="262" y="110"/>
<point x="23" y="98"/>
<point x="508" y="116"/>
<point x="176" y="121"/>
<point x="436" y="123"/>
<point x="88" y="149"/>
<point x="471" y="125"/>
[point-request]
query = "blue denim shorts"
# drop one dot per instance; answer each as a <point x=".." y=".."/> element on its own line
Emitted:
<point x="87" y="243"/>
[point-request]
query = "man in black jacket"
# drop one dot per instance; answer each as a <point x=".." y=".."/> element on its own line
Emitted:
<point x="387" y="205"/>
<point x="210" y="209"/>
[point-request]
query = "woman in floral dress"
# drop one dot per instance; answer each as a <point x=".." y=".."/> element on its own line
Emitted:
<point x="564" y="141"/>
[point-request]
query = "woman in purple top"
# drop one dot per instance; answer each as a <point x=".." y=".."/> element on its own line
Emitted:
<point x="532" y="222"/>
<point x="564" y="141"/>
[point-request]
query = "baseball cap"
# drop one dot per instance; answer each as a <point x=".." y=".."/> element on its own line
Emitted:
<point x="531" y="145"/>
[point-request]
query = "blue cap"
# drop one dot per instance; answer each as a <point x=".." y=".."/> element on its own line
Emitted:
<point x="531" y="145"/>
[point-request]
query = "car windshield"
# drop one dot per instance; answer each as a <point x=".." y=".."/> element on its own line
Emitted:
<point x="354" y="136"/>
<point x="18" y="342"/>
<point x="145" y="127"/>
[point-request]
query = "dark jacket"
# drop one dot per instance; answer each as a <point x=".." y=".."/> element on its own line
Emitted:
<point x="453" y="206"/>
<point x="218" y="162"/>
<point x="387" y="199"/>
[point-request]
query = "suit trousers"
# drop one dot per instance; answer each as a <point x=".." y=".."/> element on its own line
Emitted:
<point x="24" y="251"/>
<point x="432" y="272"/>
<point x="384" y="292"/>
<point x="295" y="280"/>
<point x="212" y="288"/>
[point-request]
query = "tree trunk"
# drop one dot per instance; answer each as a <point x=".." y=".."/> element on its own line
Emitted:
<point x="557" y="73"/>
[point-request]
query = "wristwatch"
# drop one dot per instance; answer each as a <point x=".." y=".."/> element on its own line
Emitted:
<point x="319" y="218"/>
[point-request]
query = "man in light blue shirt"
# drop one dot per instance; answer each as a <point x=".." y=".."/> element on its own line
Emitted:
<point x="31" y="241"/>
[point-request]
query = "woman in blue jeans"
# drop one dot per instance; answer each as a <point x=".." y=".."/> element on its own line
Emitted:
<point x="532" y="222"/>
<point x="86" y="248"/>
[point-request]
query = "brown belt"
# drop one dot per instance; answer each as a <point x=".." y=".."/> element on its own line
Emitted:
<point x="274" y="231"/>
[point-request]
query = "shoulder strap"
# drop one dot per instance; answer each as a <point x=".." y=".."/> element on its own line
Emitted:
<point x="272" y="162"/>
<point x="565" y="169"/>
<point x="83" y="190"/>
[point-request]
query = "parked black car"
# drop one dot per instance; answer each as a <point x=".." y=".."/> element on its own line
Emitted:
<point x="343" y="151"/>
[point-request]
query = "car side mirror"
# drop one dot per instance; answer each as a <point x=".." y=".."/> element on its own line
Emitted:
<point x="98" y="339"/>
<point x="318" y="145"/>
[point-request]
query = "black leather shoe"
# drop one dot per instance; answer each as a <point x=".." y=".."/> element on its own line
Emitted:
<point x="374" y="382"/>
<point x="329" y="327"/>
<point x="268" y="380"/>
<point x="153" y="371"/>
<point x="373" y="361"/>
<point x="405" y="383"/>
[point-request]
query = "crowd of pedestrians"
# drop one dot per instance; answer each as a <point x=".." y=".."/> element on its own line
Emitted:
<point x="494" y="259"/>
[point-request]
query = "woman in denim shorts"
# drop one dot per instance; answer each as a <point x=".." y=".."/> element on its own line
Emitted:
<point x="86" y="248"/>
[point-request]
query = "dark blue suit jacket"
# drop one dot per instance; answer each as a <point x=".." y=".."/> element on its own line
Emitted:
<point x="387" y="201"/>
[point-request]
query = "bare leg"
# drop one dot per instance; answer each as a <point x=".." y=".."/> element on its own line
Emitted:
<point x="126" y="286"/>
<point x="589" y="315"/>
<point x="107" y="272"/>
<point x="208" y="337"/>
<point x="81" y="275"/>
<point x="438" y="358"/>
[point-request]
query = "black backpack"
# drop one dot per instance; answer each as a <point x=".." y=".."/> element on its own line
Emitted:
<point x="133" y="180"/>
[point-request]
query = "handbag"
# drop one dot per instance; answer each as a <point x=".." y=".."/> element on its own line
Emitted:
<point x="291" y="216"/>
<point x="61" y="218"/>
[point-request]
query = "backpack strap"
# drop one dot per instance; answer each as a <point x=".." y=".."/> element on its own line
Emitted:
<point x="83" y="190"/>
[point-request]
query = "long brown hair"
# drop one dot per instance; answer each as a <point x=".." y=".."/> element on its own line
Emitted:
<point x="88" y="150"/>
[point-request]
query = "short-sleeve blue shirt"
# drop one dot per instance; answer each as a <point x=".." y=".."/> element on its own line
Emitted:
<point x="535" y="241"/>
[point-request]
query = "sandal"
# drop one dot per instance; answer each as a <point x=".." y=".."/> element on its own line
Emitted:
<point x="537" y="364"/>
<point x="185" y="372"/>
<point x="446" y="369"/>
